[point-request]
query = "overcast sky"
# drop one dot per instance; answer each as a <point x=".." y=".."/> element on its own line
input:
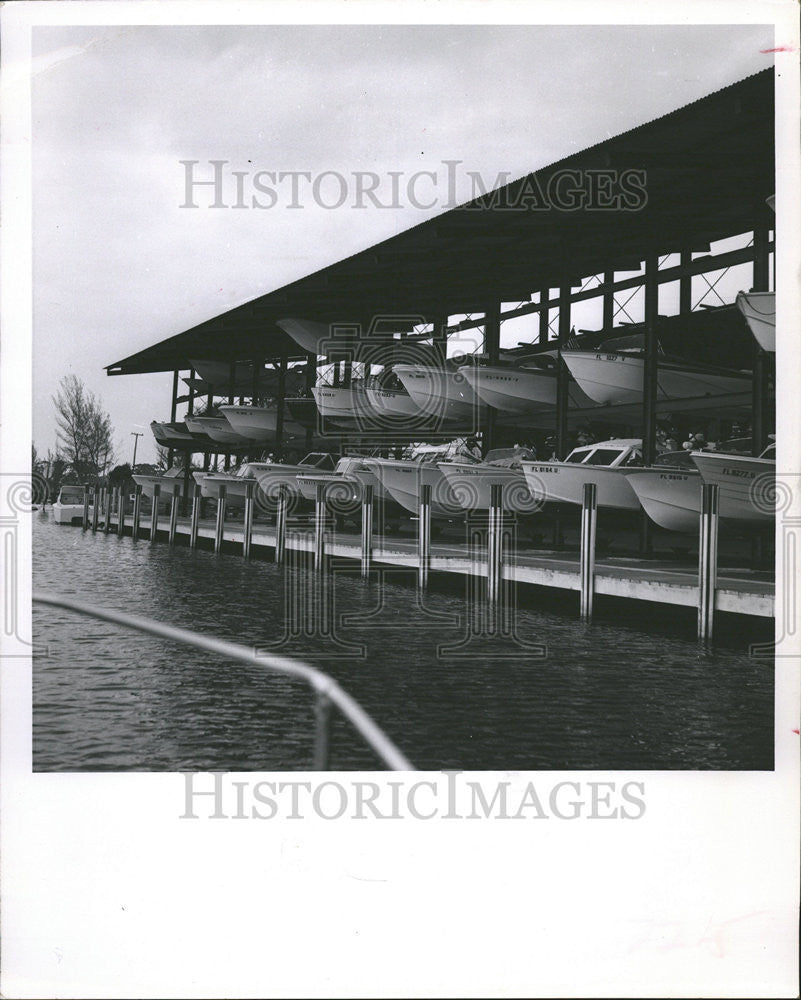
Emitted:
<point x="120" y="265"/>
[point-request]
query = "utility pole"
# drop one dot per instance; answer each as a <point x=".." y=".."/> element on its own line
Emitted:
<point x="136" y="436"/>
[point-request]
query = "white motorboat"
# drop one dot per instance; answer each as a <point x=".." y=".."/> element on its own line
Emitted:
<point x="402" y="479"/>
<point x="323" y="338"/>
<point x="173" y="435"/>
<point x="215" y="377"/>
<point x="344" y="491"/>
<point x="259" y="423"/>
<point x="472" y="482"/>
<point x="235" y="483"/>
<point x="217" y="374"/>
<point x="167" y="481"/>
<point x="442" y="393"/>
<point x="217" y="428"/>
<point x="521" y="389"/>
<point x="613" y="374"/>
<point x="343" y="404"/>
<point x="393" y="404"/>
<point x="759" y="309"/>
<point x="603" y="463"/>
<point x="68" y="506"/>
<point x="747" y="484"/>
<point x="272" y="475"/>
<point x="669" y="491"/>
<point x="307" y="333"/>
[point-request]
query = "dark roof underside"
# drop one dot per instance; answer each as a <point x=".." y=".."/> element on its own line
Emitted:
<point x="708" y="169"/>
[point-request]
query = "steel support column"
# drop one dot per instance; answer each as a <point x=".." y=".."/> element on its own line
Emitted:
<point x="545" y="296"/>
<point x="608" y="301"/>
<point x="311" y="381"/>
<point x="686" y="284"/>
<point x="760" y="410"/>
<point x="562" y="374"/>
<point x="279" y="412"/>
<point x="492" y="345"/>
<point x="173" y="410"/>
<point x="650" y="368"/>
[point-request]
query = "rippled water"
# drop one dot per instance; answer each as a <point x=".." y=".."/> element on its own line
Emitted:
<point x="640" y="696"/>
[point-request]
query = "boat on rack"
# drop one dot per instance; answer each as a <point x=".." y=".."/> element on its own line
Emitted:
<point x="603" y="463"/>
<point x="759" y="309"/>
<point x="272" y="475"/>
<point x="217" y="428"/>
<point x="442" y="393"/>
<point x="523" y="388"/>
<point x="324" y="338"/>
<point x="344" y="405"/>
<point x="669" y="491"/>
<point x="259" y="423"/>
<point x="613" y="374"/>
<point x="177" y="435"/>
<point x="472" y="482"/>
<point x="168" y="482"/>
<point x="235" y="483"/>
<point x="403" y="478"/>
<point x="747" y="483"/>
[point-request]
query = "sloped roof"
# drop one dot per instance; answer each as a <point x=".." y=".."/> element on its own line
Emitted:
<point x="706" y="171"/>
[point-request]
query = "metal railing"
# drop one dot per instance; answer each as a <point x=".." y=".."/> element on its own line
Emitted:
<point x="328" y="692"/>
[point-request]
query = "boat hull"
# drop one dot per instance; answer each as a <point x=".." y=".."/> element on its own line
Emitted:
<point x="217" y="428"/>
<point x="442" y="395"/>
<point x="167" y="485"/>
<point x="342" y="405"/>
<point x="747" y="485"/>
<point x="759" y="309"/>
<point x="563" y="482"/>
<point x="258" y="423"/>
<point x="518" y="390"/>
<point x="610" y="379"/>
<point x="69" y="513"/>
<point x="670" y="497"/>
<point x="472" y="486"/>
<point x="402" y="481"/>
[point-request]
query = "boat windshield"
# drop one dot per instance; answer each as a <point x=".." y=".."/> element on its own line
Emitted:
<point x="674" y="460"/>
<point x="769" y="452"/>
<point x="605" y="456"/>
<point x="71" y="495"/>
<point x="506" y="456"/>
<point x="319" y="460"/>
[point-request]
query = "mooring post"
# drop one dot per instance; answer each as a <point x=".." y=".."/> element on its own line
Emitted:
<point x="154" y="514"/>
<point x="707" y="560"/>
<point x="367" y="528"/>
<point x="589" y="517"/>
<point x="95" y="508"/>
<point x="176" y="499"/>
<point x="319" y="527"/>
<point x="495" y="543"/>
<point x="280" y="523"/>
<point x="85" y="522"/>
<point x="218" y="531"/>
<point x="424" y="535"/>
<point x="247" y="527"/>
<point x="121" y="512"/>
<point x="137" y="510"/>
<point x="322" y="732"/>
<point x="107" y="510"/>
<point x="193" y="524"/>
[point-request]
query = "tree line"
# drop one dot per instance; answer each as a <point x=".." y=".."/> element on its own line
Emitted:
<point x="84" y="443"/>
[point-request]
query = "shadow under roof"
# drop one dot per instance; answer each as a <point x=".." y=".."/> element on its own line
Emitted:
<point x="708" y="168"/>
